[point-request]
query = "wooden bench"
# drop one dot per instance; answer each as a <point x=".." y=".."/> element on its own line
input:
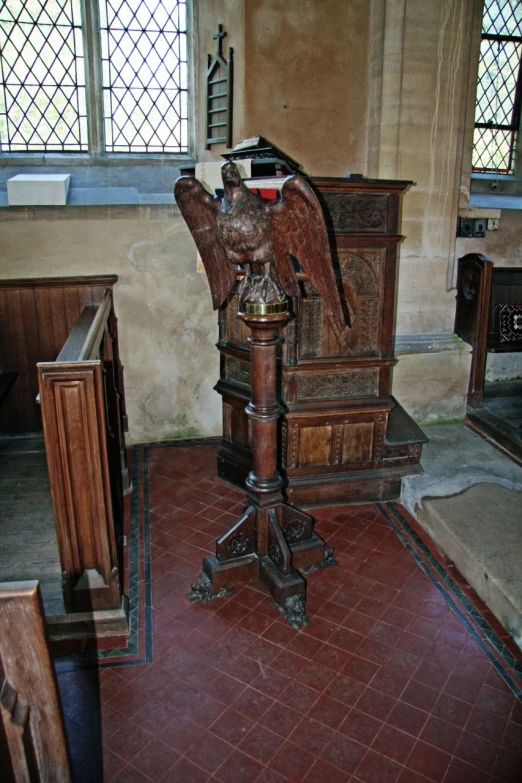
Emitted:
<point x="483" y="291"/>
<point x="82" y="424"/>
<point x="36" y="317"/>
<point x="32" y="735"/>
<point x="60" y="334"/>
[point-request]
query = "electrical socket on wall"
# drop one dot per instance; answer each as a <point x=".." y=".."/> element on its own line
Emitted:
<point x="492" y="224"/>
<point x="465" y="227"/>
<point x="479" y="227"/>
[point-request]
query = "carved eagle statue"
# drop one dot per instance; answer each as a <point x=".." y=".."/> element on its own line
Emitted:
<point x="242" y="229"/>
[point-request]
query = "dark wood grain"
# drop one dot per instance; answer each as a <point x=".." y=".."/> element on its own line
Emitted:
<point x="481" y="288"/>
<point x="74" y="426"/>
<point x="33" y="730"/>
<point x="472" y="315"/>
<point x="271" y="542"/>
<point x="337" y="392"/>
<point x="72" y="348"/>
<point x="36" y="316"/>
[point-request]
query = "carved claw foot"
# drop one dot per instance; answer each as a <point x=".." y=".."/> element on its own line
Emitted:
<point x="294" y="611"/>
<point x="326" y="562"/>
<point x="202" y="590"/>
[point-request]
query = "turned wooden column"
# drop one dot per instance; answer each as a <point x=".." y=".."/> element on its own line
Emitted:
<point x="264" y="483"/>
<point x="271" y="539"/>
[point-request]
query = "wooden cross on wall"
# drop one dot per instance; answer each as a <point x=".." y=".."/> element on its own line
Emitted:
<point x="219" y="38"/>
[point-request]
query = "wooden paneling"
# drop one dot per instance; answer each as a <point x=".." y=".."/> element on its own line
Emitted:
<point x="358" y="442"/>
<point x="32" y="730"/>
<point x="314" y="446"/>
<point x="73" y="413"/>
<point x="36" y="316"/>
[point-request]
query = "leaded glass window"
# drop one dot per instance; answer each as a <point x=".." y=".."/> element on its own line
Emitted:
<point x="134" y="54"/>
<point x="497" y="112"/>
<point x="144" y="59"/>
<point x="42" y="91"/>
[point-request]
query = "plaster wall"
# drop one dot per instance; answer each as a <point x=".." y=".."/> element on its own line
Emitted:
<point x="167" y="328"/>
<point x="306" y="82"/>
<point x="503" y="247"/>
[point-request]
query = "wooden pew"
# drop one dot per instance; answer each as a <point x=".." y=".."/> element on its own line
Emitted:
<point x="483" y="291"/>
<point x="82" y="417"/>
<point x="32" y="737"/>
<point x="36" y="317"/>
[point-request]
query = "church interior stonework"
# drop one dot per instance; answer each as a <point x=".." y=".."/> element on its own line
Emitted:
<point x="251" y="536"/>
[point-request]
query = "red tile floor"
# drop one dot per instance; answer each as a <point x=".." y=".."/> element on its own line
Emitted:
<point x="385" y="685"/>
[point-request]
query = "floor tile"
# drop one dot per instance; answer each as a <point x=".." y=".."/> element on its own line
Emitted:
<point x="261" y="744"/>
<point x="209" y="752"/>
<point x="375" y="767"/>
<point x="187" y="772"/>
<point x="292" y="762"/>
<point x="311" y="735"/>
<point x="429" y="761"/>
<point x="155" y="760"/>
<point x="322" y="772"/>
<point x="477" y="751"/>
<point x="282" y="720"/>
<point x="239" y="768"/>
<point x="440" y="733"/>
<point x="393" y="743"/>
<point x="232" y="726"/>
<point x="360" y="727"/>
<point x="344" y="753"/>
<point x="385" y="685"/>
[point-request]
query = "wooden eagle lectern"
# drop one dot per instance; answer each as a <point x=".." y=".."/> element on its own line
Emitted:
<point x="271" y="541"/>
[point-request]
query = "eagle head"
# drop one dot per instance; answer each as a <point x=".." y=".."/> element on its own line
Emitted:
<point x="232" y="182"/>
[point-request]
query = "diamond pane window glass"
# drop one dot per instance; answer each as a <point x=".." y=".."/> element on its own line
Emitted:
<point x="498" y="89"/>
<point x="144" y="73"/>
<point x="42" y="81"/>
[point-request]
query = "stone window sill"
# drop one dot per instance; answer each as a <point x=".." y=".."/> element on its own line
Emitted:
<point x="85" y="197"/>
<point x="495" y="201"/>
<point x="142" y="181"/>
<point x="507" y="194"/>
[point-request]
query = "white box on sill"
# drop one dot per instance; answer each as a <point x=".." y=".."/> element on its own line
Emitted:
<point x="25" y="190"/>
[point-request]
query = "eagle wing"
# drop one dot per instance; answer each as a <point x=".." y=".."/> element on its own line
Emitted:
<point x="200" y="210"/>
<point x="298" y="229"/>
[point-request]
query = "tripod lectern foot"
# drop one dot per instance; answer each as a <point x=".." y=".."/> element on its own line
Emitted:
<point x="327" y="561"/>
<point x="293" y="610"/>
<point x="202" y="590"/>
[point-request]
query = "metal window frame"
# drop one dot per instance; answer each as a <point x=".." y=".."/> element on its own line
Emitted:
<point x="94" y="100"/>
<point x="514" y="126"/>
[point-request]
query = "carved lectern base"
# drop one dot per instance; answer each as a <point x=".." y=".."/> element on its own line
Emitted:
<point x="290" y="545"/>
<point x="271" y="542"/>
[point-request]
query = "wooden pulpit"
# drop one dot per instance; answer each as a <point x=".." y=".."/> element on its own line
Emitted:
<point x="343" y="437"/>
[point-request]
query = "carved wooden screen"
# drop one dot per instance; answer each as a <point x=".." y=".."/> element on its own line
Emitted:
<point x="220" y="81"/>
